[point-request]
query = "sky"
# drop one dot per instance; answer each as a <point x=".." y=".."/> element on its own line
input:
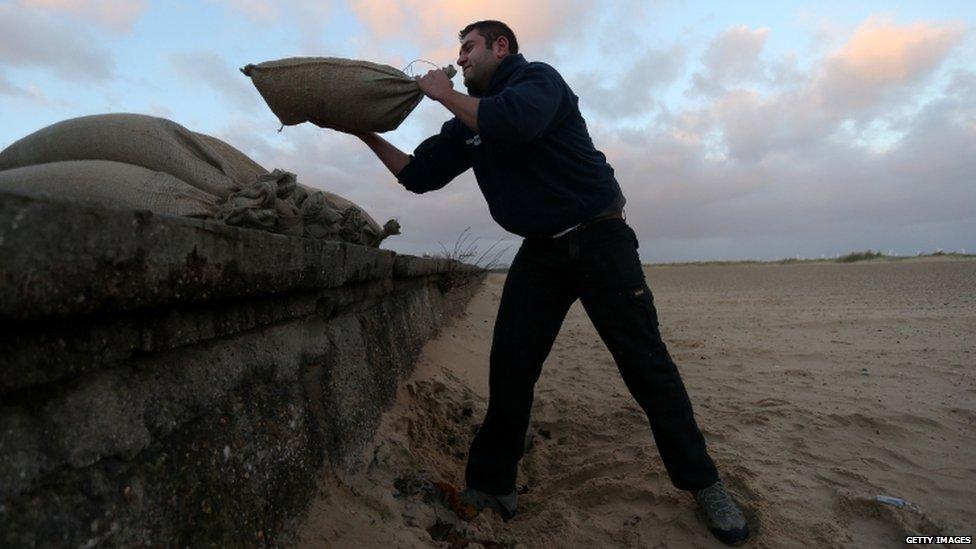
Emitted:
<point x="737" y="130"/>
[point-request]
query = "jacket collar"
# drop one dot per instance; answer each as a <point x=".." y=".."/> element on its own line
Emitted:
<point x="504" y="71"/>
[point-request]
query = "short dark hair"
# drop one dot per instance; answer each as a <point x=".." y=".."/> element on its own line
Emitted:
<point x="492" y="30"/>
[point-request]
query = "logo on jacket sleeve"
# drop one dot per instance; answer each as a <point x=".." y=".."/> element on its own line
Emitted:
<point x="476" y="140"/>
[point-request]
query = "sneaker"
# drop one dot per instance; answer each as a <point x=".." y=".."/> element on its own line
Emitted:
<point x="505" y="506"/>
<point x="722" y="514"/>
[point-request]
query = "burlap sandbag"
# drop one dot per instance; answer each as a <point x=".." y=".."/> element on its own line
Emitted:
<point x="325" y="215"/>
<point x="252" y="207"/>
<point x="328" y="215"/>
<point x="154" y="143"/>
<point x="345" y="94"/>
<point x="110" y="184"/>
<point x="283" y="208"/>
<point x="239" y="166"/>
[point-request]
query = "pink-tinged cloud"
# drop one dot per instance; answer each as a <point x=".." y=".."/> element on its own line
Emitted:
<point x="880" y="51"/>
<point x="774" y="118"/>
<point x="118" y="15"/>
<point x="433" y="25"/>
<point x="881" y="55"/>
<point x="384" y="18"/>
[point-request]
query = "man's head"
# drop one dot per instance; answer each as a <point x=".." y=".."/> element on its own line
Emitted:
<point x="483" y="46"/>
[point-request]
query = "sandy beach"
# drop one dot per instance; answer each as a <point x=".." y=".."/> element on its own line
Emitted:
<point x="818" y="386"/>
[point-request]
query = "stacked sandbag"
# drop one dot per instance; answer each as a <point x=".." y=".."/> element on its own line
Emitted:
<point x="276" y="202"/>
<point x="110" y="184"/>
<point x="240" y="167"/>
<point x="345" y="94"/>
<point x="330" y="216"/>
<point x="141" y="162"/>
<point x="267" y="204"/>
<point x="153" y="143"/>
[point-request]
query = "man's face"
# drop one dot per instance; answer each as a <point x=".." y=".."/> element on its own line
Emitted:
<point x="477" y="61"/>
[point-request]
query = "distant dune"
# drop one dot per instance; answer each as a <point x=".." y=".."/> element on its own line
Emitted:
<point x="852" y="257"/>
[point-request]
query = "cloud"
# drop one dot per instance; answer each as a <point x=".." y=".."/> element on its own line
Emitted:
<point x="631" y="92"/>
<point x="770" y="162"/>
<point x="118" y="15"/>
<point x="880" y="56"/>
<point x="731" y="58"/>
<point x="307" y="18"/>
<point x="786" y="119"/>
<point x="258" y="10"/>
<point x="9" y="88"/>
<point x="210" y="70"/>
<point x="33" y="39"/>
<point x="433" y="25"/>
<point x="161" y="111"/>
<point x="693" y="207"/>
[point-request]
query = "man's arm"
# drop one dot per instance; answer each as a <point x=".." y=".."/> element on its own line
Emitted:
<point x="435" y="162"/>
<point x="393" y="158"/>
<point x="464" y="107"/>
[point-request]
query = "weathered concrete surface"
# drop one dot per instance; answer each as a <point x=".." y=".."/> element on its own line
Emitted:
<point x="170" y="381"/>
<point x="94" y="259"/>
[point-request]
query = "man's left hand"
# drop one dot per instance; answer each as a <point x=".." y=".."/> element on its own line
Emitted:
<point x="435" y="84"/>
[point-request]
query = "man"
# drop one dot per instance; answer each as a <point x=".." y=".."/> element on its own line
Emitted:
<point x="521" y="130"/>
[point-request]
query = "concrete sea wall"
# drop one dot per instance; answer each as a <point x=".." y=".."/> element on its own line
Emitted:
<point x="171" y="381"/>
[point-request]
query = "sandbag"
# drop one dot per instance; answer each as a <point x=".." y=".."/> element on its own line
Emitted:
<point x="266" y="204"/>
<point x="110" y="184"/>
<point x="153" y="143"/>
<point x="288" y="218"/>
<point x="329" y="215"/>
<point x="345" y="94"/>
<point x="240" y="167"/>
<point x="325" y="215"/>
<point x="319" y="218"/>
<point x="252" y="207"/>
<point x="332" y="204"/>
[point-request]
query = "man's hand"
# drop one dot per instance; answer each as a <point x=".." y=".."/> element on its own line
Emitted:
<point x="438" y="86"/>
<point x="435" y="84"/>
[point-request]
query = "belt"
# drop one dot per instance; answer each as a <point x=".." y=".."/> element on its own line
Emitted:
<point x="585" y="224"/>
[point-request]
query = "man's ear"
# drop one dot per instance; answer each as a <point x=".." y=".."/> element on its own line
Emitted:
<point x="500" y="47"/>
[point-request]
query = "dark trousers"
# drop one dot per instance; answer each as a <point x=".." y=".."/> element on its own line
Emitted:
<point x="597" y="264"/>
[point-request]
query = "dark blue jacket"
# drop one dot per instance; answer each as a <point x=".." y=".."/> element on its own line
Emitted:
<point x="534" y="159"/>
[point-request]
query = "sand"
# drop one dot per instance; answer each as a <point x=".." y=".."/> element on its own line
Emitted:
<point x="818" y="387"/>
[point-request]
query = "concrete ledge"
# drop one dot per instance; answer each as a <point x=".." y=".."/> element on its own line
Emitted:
<point x="172" y="381"/>
<point x="94" y="259"/>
